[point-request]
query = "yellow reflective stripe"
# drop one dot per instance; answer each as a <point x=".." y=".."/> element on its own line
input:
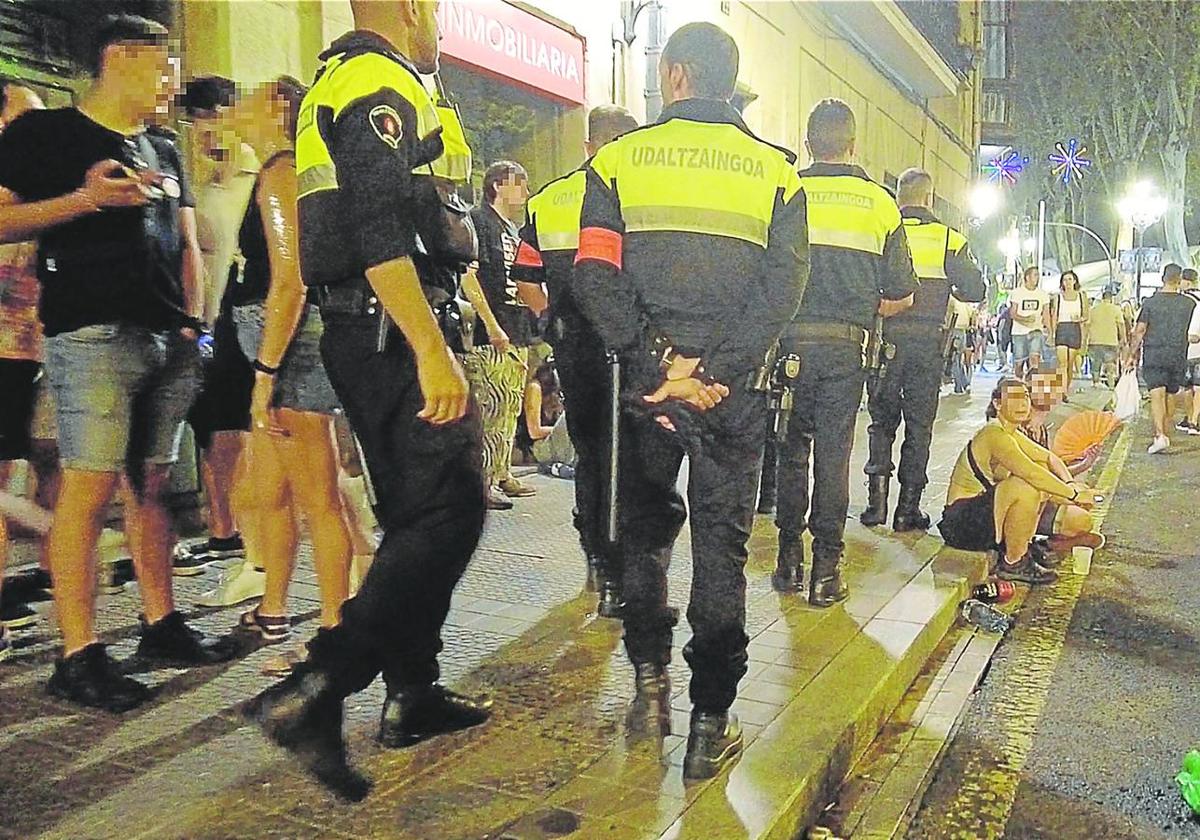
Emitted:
<point x="957" y="241"/>
<point x="555" y="212"/>
<point x="696" y="220"/>
<point x="927" y="243"/>
<point x="840" y="237"/>
<point x="697" y="177"/>
<point x="316" y="178"/>
<point x="564" y="241"/>
<point x="845" y="211"/>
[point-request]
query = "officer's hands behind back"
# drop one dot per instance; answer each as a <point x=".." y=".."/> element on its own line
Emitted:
<point x="443" y="386"/>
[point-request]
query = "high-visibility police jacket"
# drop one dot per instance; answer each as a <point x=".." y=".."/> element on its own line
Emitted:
<point x="859" y="250"/>
<point x="550" y="239"/>
<point x="692" y="233"/>
<point x="365" y="148"/>
<point x="943" y="263"/>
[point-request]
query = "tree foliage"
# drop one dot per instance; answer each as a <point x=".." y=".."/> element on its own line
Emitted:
<point x="1121" y="76"/>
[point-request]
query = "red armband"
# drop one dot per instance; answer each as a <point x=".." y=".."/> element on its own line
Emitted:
<point x="528" y="256"/>
<point x="599" y="244"/>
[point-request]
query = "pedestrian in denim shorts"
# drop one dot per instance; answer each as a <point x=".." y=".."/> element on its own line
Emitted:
<point x="120" y="277"/>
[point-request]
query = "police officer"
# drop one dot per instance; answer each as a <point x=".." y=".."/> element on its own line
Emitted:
<point x="910" y="387"/>
<point x="860" y="267"/>
<point x="692" y="258"/>
<point x="367" y="136"/>
<point x="549" y="240"/>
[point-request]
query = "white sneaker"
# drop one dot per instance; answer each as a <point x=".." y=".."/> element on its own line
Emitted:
<point x="1161" y="443"/>
<point x="239" y="583"/>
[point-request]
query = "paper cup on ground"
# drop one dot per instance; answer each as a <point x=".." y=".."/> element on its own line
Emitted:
<point x="1081" y="557"/>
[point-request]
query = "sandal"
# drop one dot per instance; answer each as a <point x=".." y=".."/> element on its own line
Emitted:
<point x="271" y="628"/>
<point x="282" y="664"/>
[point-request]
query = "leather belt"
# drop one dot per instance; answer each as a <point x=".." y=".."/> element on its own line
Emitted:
<point x="914" y="329"/>
<point x="353" y="300"/>
<point x="817" y="332"/>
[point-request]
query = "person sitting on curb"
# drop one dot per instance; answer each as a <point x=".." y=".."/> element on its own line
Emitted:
<point x="1000" y="487"/>
<point x="1047" y="389"/>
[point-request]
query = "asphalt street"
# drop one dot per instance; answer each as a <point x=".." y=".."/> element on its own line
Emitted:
<point x="1081" y="725"/>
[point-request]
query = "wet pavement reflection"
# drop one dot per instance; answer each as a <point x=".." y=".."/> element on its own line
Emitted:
<point x="558" y="759"/>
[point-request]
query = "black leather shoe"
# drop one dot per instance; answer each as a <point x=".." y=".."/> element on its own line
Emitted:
<point x="303" y="716"/>
<point x="650" y="711"/>
<point x="414" y="714"/>
<point x="789" y="565"/>
<point x="90" y="678"/>
<point x="611" y="601"/>
<point x="171" y="640"/>
<point x="877" y="500"/>
<point x="909" y="516"/>
<point x="826" y="587"/>
<point x="714" y="740"/>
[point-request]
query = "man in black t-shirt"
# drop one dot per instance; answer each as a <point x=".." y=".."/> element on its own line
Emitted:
<point x="120" y="278"/>
<point x="498" y="366"/>
<point x="1162" y="334"/>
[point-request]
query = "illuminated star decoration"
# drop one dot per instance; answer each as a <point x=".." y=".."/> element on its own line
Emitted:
<point x="1069" y="162"/>
<point x="1005" y="167"/>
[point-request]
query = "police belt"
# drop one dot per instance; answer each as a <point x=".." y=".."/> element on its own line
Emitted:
<point x="354" y="299"/>
<point x="819" y="332"/>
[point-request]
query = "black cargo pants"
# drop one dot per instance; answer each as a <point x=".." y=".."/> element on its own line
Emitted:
<point x="825" y="408"/>
<point x="908" y="390"/>
<point x="428" y="483"/>
<point x="722" y="480"/>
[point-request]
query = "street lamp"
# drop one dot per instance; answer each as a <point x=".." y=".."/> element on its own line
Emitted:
<point x="1010" y="246"/>
<point x="984" y="201"/>
<point x="1142" y="206"/>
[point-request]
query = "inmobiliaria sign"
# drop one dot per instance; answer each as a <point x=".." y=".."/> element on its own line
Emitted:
<point x="510" y="42"/>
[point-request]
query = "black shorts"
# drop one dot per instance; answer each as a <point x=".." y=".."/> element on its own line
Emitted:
<point x="223" y="404"/>
<point x="1068" y="334"/>
<point x="18" y="387"/>
<point x="1163" y="373"/>
<point x="970" y="524"/>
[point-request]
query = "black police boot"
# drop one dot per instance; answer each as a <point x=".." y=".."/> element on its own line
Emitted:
<point x="611" y="600"/>
<point x="909" y="516"/>
<point x="826" y="587"/>
<point x="415" y="713"/>
<point x="650" y="711"/>
<point x="714" y="739"/>
<point x="303" y="716"/>
<point x="877" y="500"/>
<point x="789" y="565"/>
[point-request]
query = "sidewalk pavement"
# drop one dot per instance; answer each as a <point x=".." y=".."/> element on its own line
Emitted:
<point x="556" y="760"/>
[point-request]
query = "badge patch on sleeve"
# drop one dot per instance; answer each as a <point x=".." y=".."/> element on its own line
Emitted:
<point x="386" y="123"/>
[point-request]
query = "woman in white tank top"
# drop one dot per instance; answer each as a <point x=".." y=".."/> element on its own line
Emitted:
<point x="1069" y="317"/>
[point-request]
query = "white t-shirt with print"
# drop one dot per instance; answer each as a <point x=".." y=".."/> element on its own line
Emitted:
<point x="1030" y="302"/>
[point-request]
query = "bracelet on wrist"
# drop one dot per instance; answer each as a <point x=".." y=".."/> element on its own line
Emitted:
<point x="265" y="368"/>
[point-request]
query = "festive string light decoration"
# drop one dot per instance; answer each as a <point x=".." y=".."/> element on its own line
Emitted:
<point x="1069" y="162"/>
<point x="1006" y="167"/>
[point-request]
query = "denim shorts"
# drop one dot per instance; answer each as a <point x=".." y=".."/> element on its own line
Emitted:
<point x="121" y="394"/>
<point x="301" y="384"/>
<point x="1031" y="344"/>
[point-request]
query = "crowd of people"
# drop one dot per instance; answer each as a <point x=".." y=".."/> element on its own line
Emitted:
<point x="357" y="350"/>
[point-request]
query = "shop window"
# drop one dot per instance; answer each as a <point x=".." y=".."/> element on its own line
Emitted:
<point x="506" y="122"/>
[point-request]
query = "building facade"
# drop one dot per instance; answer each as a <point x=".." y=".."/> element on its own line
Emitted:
<point x="524" y="74"/>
